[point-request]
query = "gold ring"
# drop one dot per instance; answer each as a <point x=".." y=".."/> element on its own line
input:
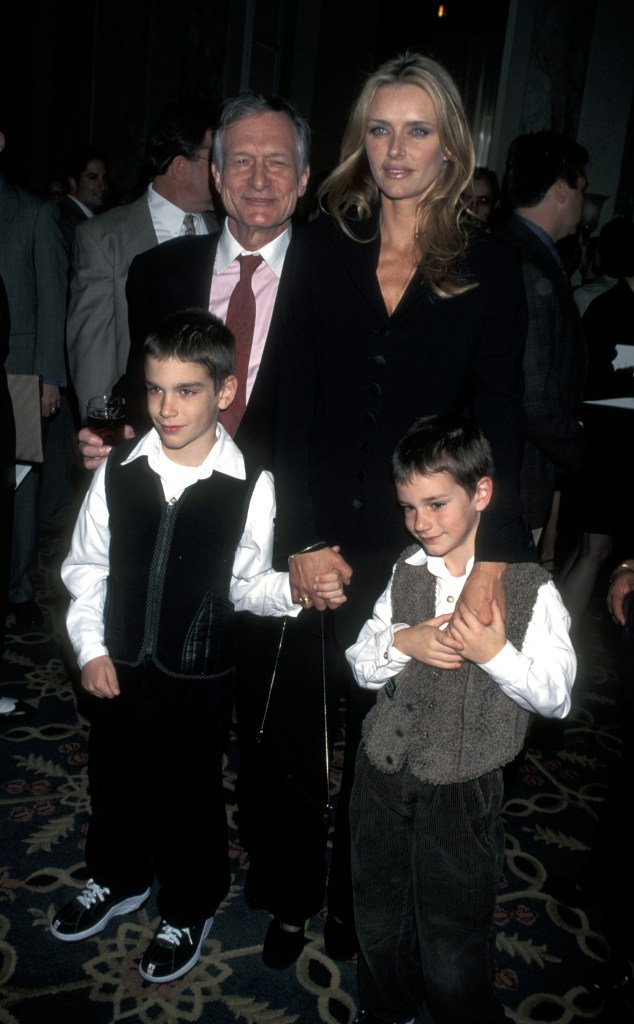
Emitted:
<point x="305" y="601"/>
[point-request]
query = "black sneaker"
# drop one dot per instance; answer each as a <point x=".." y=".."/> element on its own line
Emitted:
<point x="173" y="951"/>
<point x="90" y="912"/>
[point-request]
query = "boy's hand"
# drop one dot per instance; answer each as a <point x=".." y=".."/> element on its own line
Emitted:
<point x="329" y="587"/>
<point x="304" y="569"/>
<point x="92" y="449"/>
<point x="99" y="677"/>
<point x="479" y="643"/>
<point x="426" y="642"/>
<point x="484" y="584"/>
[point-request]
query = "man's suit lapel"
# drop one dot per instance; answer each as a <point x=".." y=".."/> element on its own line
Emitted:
<point x="139" y="234"/>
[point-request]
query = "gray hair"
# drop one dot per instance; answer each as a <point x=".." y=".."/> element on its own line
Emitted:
<point x="250" y="104"/>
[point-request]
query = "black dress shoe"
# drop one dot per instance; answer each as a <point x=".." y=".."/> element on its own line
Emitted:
<point x="11" y="708"/>
<point x="340" y="939"/>
<point x="281" y="948"/>
<point x="28" y="614"/>
<point x="615" y="975"/>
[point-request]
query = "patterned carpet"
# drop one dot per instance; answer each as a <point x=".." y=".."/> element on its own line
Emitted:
<point x="543" y="947"/>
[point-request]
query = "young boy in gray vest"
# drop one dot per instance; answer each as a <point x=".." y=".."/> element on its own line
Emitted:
<point x="171" y="538"/>
<point x="454" y="701"/>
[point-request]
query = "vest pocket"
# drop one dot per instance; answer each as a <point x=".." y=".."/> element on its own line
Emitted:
<point x="209" y="647"/>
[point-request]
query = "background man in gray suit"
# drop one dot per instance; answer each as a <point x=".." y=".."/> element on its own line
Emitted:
<point x="87" y="181"/>
<point x="34" y="266"/>
<point x="178" y="165"/>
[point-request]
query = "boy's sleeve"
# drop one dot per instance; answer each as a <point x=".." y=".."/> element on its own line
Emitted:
<point x="85" y="573"/>
<point x="539" y="677"/>
<point x="255" y="586"/>
<point x="373" y="659"/>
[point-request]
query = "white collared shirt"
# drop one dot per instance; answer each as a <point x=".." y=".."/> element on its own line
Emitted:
<point x="254" y="585"/>
<point x="539" y="677"/>
<point x="168" y="218"/>
<point x="84" y="209"/>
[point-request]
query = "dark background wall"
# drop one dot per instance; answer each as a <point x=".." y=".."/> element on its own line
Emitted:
<point x="100" y="70"/>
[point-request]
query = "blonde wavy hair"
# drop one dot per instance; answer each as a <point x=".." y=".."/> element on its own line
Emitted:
<point x="441" y="231"/>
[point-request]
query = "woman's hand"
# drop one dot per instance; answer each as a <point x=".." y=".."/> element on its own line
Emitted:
<point x="622" y="584"/>
<point x="479" y="643"/>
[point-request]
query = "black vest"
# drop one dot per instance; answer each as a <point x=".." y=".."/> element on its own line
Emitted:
<point x="170" y="568"/>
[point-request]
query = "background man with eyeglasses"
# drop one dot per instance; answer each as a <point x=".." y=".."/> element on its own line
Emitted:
<point x="177" y="202"/>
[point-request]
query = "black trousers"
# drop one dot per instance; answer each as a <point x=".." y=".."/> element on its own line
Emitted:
<point x="155" y="774"/>
<point x="426" y="866"/>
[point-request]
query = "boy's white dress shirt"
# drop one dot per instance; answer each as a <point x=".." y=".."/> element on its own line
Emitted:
<point x="254" y="587"/>
<point x="539" y="677"/>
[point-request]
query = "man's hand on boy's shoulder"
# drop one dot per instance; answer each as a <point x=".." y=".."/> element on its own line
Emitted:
<point x="428" y="643"/>
<point x="99" y="677"/>
<point x="304" y="568"/>
<point x="479" y="643"/>
<point x="484" y="584"/>
<point x="93" y="452"/>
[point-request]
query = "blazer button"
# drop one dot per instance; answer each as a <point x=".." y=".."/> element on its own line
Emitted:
<point x="379" y="360"/>
<point x="357" y="504"/>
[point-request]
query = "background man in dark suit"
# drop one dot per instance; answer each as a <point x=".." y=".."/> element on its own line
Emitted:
<point x="34" y="266"/>
<point x="544" y="183"/>
<point x="178" y="151"/>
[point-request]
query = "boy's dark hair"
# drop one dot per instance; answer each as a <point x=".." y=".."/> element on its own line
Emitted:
<point x="536" y="161"/>
<point x="443" y="444"/>
<point x="194" y="336"/>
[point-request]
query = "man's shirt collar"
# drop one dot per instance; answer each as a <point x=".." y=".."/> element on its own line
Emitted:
<point x="272" y="253"/>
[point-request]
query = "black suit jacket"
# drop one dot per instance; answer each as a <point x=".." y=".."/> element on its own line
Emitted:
<point x="176" y="275"/>
<point x="353" y="380"/>
<point x="555" y="362"/>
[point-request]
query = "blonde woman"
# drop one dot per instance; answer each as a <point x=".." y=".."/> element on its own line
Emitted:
<point x="396" y="308"/>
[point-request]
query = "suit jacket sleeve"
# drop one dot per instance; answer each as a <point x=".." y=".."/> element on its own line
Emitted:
<point x="50" y="259"/>
<point x="91" y="332"/>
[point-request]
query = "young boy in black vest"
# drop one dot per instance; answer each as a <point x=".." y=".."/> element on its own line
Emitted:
<point x="453" y="706"/>
<point x="170" y="538"/>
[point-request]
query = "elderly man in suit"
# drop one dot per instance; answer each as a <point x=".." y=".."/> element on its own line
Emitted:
<point x="177" y="201"/>
<point x="34" y="267"/>
<point x="544" y="183"/>
<point x="260" y="166"/>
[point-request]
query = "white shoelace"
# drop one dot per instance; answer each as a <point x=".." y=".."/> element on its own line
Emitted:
<point x="92" y="893"/>
<point x="167" y="933"/>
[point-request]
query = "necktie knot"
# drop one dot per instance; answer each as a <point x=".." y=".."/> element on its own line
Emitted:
<point x="189" y="224"/>
<point x="248" y="267"/>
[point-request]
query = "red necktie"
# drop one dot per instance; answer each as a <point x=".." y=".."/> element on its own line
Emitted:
<point x="241" y="322"/>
